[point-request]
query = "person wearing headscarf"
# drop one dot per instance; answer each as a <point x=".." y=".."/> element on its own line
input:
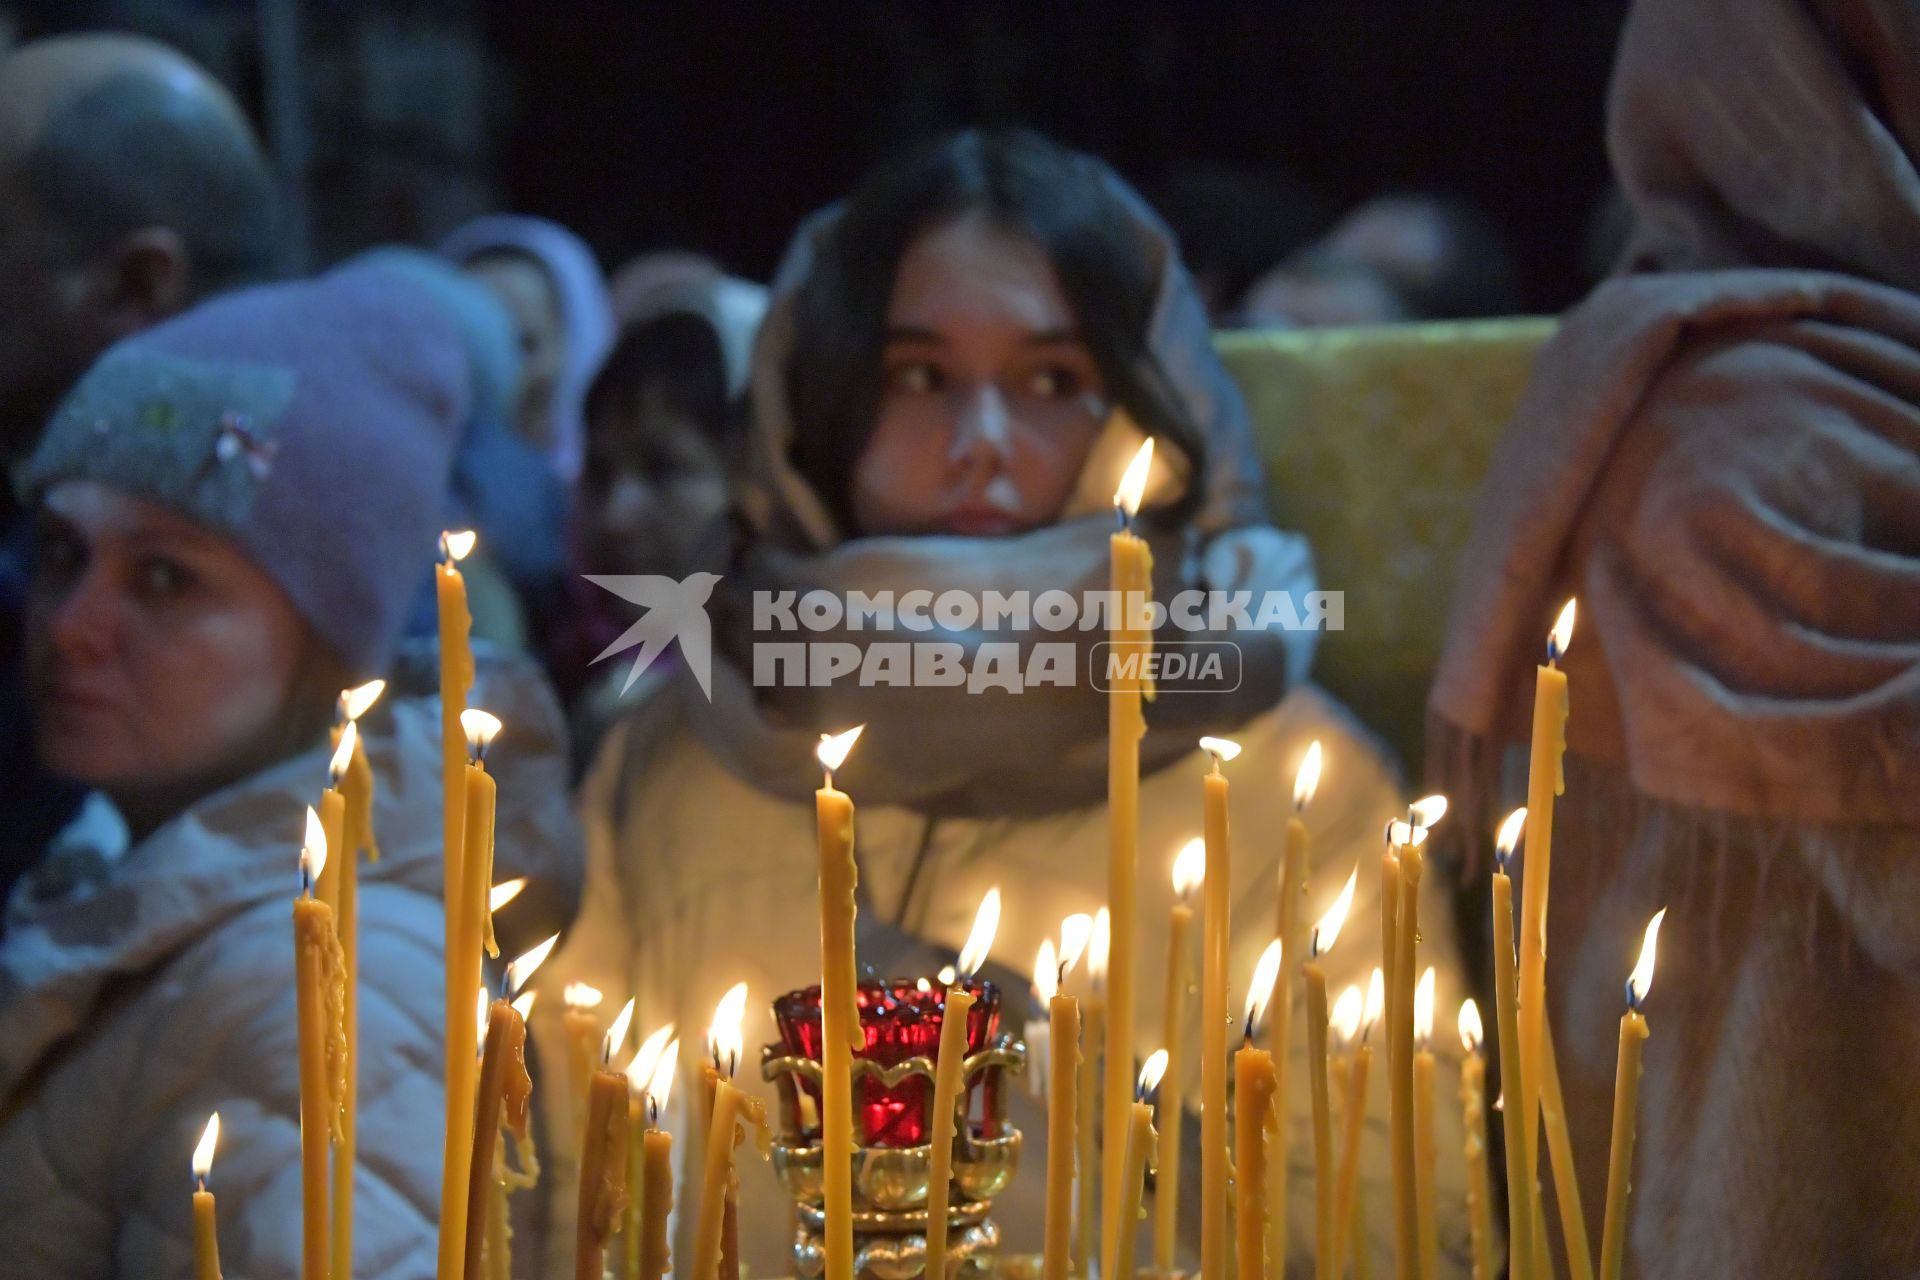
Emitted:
<point x="232" y="511"/>
<point x="943" y="398"/>
<point x="1719" y="456"/>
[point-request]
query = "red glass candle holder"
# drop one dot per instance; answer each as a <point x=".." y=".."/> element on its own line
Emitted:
<point x="901" y="1021"/>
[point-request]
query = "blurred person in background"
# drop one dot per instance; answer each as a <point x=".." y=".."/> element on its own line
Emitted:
<point x="131" y="185"/>
<point x="232" y="510"/>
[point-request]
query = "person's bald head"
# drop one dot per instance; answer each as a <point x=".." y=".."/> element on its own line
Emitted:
<point x="130" y="186"/>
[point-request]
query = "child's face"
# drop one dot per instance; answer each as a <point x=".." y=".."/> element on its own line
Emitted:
<point x="157" y="652"/>
<point x="654" y="484"/>
<point x="990" y="402"/>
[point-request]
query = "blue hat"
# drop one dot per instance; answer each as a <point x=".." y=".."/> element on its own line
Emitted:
<point x="312" y="422"/>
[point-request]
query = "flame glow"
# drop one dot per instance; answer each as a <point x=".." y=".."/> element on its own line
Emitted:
<point x="343" y="754"/>
<point x="1427" y="810"/>
<point x="521" y="968"/>
<point x="1328" y="929"/>
<point x="1423" y="1009"/>
<point x="313" y="852"/>
<point x="1344" y="1021"/>
<point x="1402" y="836"/>
<point x="922" y="985"/>
<point x="203" y="1153"/>
<point x="481" y="1008"/>
<point x="1046" y="974"/>
<point x="1562" y="634"/>
<point x="504" y="892"/>
<point x="1221" y="749"/>
<point x="724" y="1036"/>
<point x="1260" y="992"/>
<point x="523" y="1004"/>
<point x="1189" y="867"/>
<point x="1099" y="945"/>
<point x="1472" y="1034"/>
<point x="986" y="922"/>
<point x="1306" y="779"/>
<point x="1075" y="932"/>
<point x="1151" y="1073"/>
<point x="946" y="975"/>
<point x="458" y="545"/>
<point x="1133" y="484"/>
<point x="660" y="1083"/>
<point x="481" y="728"/>
<point x="1511" y="829"/>
<point x="1641" y="979"/>
<point x="579" y="995"/>
<point x="833" y="748"/>
<point x="617" y="1033"/>
<point x="1376" y="1002"/>
<point x="647" y="1058"/>
<point x="359" y="700"/>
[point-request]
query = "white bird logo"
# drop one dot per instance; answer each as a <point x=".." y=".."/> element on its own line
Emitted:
<point x="675" y="610"/>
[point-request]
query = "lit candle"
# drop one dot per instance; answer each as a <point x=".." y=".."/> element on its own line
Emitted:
<point x="1626" y="1101"/>
<point x="319" y="995"/>
<point x="1063" y="1014"/>
<point x="1142" y="1144"/>
<point x="583" y="1036"/>
<point x="1189" y="871"/>
<point x="1473" y="1115"/>
<point x="1315" y="981"/>
<point x="354" y="703"/>
<point x="1093" y="1021"/>
<point x="1424" y="1153"/>
<point x="640" y="1073"/>
<point x="504" y="1090"/>
<point x="603" y="1157"/>
<point x="721" y="1185"/>
<point x="1566" y="1177"/>
<point x="499" y="1250"/>
<point x="339" y="888"/>
<point x="1520" y="1208"/>
<point x="1254" y="1121"/>
<point x="949" y="1077"/>
<point x="1296" y="864"/>
<point x="469" y="916"/>
<point x="1132" y="641"/>
<point x="1352" y="1020"/>
<point x="206" y="1239"/>
<point x="656" y="1169"/>
<point x="1546" y="778"/>
<point x="841" y="1032"/>
<point x="1038" y="1033"/>
<point x="1405" y="839"/>
<point x="1213" y="1016"/>
<point x="456" y="680"/>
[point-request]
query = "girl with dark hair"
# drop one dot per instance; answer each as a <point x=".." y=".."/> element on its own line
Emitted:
<point x="955" y="369"/>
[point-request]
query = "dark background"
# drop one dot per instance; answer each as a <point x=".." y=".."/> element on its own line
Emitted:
<point x="717" y="126"/>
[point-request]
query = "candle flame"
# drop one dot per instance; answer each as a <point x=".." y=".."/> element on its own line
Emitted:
<point x="1306" y="780"/>
<point x="986" y="922"/>
<point x="481" y="728"/>
<point x="203" y="1153"/>
<point x="522" y="967"/>
<point x="660" y="1083"/>
<point x="1046" y="974"/>
<point x="1075" y="932"/>
<point x="833" y="748"/>
<point x="1151" y="1073"/>
<point x="343" y="754"/>
<point x="647" y="1057"/>
<point x="1376" y="1002"/>
<point x="1189" y="867"/>
<point x="1423" y="1009"/>
<point x="579" y="995"/>
<point x="946" y="975"/>
<point x="359" y="700"/>
<point x="1328" y="929"/>
<point x="1133" y="484"/>
<point x="1265" y="975"/>
<point x="1511" y="829"/>
<point x="1403" y="836"/>
<point x="504" y="892"/>
<point x="1099" y="945"/>
<point x="922" y="985"/>
<point x="1562" y="634"/>
<point x="1344" y="1022"/>
<point x="313" y="852"/>
<point x="617" y="1033"/>
<point x="458" y="545"/>
<point x="1641" y="980"/>
<point x="1427" y="810"/>
<point x="523" y="1004"/>
<point x="481" y="1008"/>
<point x="1472" y="1034"/>
<point x="1221" y="749"/>
<point x="724" y="1037"/>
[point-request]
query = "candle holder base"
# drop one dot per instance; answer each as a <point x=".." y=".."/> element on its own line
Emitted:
<point x="893" y="1246"/>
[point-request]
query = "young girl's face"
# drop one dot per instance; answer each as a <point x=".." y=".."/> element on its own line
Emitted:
<point x="991" y="400"/>
<point x="158" y="653"/>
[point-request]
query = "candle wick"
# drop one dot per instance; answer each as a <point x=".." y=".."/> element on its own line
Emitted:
<point x="200" y="1181"/>
<point x="1313" y="945"/>
<point x="653" y="1111"/>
